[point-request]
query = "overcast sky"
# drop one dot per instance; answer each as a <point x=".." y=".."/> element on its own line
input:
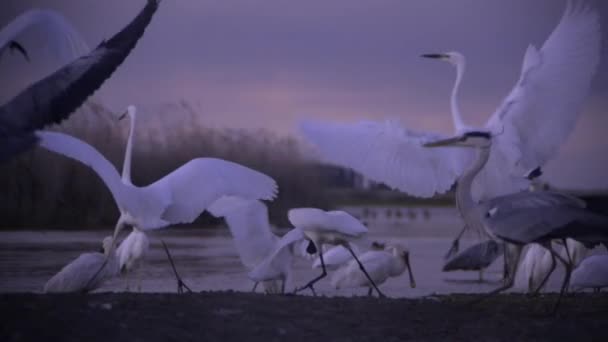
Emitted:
<point x="246" y="63"/>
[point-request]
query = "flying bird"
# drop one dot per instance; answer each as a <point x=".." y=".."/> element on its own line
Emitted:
<point x="60" y="35"/>
<point x="55" y="97"/>
<point x="82" y="275"/>
<point x="535" y="119"/>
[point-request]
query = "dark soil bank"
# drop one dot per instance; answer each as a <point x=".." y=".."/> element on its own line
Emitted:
<point x="233" y="316"/>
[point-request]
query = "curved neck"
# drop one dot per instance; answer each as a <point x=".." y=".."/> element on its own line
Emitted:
<point x="456" y="116"/>
<point x="464" y="196"/>
<point x="126" y="166"/>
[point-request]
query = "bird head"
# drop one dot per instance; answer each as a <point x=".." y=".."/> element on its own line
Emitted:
<point x="400" y="251"/>
<point x="471" y="139"/>
<point x="107" y="245"/>
<point x="452" y="57"/>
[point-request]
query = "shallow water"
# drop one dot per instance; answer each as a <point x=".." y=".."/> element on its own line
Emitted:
<point x="207" y="260"/>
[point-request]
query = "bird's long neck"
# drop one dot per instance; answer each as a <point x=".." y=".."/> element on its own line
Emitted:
<point x="126" y="166"/>
<point x="464" y="196"/>
<point x="456" y="116"/>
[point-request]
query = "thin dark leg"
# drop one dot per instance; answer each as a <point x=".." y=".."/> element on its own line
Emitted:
<point x="312" y="282"/>
<point x="455" y="244"/>
<point x="364" y="271"/>
<point x="180" y="283"/>
<point x="88" y="286"/>
<point x="546" y="278"/>
<point x="283" y="286"/>
<point x="369" y="291"/>
<point x="566" y="278"/>
<point x="255" y="285"/>
<point x="511" y="275"/>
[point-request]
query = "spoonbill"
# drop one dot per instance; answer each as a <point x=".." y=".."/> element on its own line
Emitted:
<point x="591" y="273"/>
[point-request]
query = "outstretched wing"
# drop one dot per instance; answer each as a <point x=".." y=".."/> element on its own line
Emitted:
<point x="265" y="270"/>
<point x="388" y="153"/>
<point x="61" y="36"/>
<point x="55" y="97"/>
<point x="249" y="226"/>
<point x="81" y="151"/>
<point x="200" y="182"/>
<point x="311" y="218"/>
<point x="542" y="109"/>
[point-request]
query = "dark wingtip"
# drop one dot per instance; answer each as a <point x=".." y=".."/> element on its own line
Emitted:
<point x="14" y="45"/>
<point x="535" y="173"/>
<point x="433" y="55"/>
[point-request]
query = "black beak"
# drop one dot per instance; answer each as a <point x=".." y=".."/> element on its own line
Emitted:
<point x="122" y="116"/>
<point x="434" y="55"/>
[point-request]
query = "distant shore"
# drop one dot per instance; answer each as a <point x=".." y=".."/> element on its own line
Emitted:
<point x="236" y="316"/>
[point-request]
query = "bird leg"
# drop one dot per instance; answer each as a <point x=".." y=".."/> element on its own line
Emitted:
<point x="283" y="286"/>
<point x="568" y="268"/>
<point x="347" y="246"/>
<point x="514" y="252"/>
<point x="180" y="283"/>
<point x="551" y="269"/>
<point x="455" y="244"/>
<point x="369" y="291"/>
<point x="255" y="285"/>
<point x="312" y="282"/>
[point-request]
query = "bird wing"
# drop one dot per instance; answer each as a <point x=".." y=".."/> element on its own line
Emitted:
<point x="476" y="257"/>
<point x="592" y="272"/>
<point x="55" y="97"/>
<point x="388" y="153"/>
<point x="197" y="184"/>
<point x="61" y="35"/>
<point x="376" y="263"/>
<point x="542" y="109"/>
<point x="81" y="151"/>
<point x="335" y="257"/>
<point x="249" y="226"/>
<point x="264" y="270"/>
<point x="77" y="274"/>
<point x="340" y="221"/>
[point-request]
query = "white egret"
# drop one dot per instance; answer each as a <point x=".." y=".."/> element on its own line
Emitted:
<point x="535" y="119"/>
<point x="82" y="274"/>
<point x="55" y="97"/>
<point x="179" y="197"/>
<point x="131" y="253"/>
<point x="524" y="217"/>
<point x="320" y="227"/>
<point x="254" y="239"/>
<point x="380" y="265"/>
<point x="60" y="35"/>
<point x="591" y="273"/>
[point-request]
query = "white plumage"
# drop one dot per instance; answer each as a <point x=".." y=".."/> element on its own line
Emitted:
<point x="179" y="197"/>
<point x="591" y="273"/>
<point x="132" y="250"/>
<point x="254" y="240"/>
<point x="78" y="274"/>
<point x="61" y="37"/>
<point x="529" y="126"/>
<point x="380" y="266"/>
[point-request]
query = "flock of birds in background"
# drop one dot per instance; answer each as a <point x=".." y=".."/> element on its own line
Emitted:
<point x="495" y="169"/>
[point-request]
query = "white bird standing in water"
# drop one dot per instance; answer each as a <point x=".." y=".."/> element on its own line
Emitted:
<point x="591" y="273"/>
<point x="61" y="36"/>
<point x="254" y="239"/>
<point x="534" y="120"/>
<point x="82" y="275"/>
<point x="380" y="266"/>
<point x="131" y="253"/>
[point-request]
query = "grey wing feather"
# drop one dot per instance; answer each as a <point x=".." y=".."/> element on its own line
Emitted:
<point x="476" y="257"/>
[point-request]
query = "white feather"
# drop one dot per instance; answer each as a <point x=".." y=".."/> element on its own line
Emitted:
<point x="591" y="273"/>
<point x="326" y="221"/>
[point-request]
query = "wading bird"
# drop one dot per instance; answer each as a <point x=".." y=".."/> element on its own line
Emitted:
<point x="131" y="253"/>
<point x="82" y="275"/>
<point x="523" y="217"/>
<point x="60" y="35"/>
<point x="54" y="98"/>
<point x="591" y="273"/>
<point x="475" y="258"/>
<point x="535" y="119"/>
<point x="319" y="227"/>
<point x="380" y="266"/>
<point x="254" y="240"/>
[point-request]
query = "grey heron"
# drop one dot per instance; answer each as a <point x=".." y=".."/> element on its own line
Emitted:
<point x="536" y="117"/>
<point x="523" y="217"/>
<point x="55" y="97"/>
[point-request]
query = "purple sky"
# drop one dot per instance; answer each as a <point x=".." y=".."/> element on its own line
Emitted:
<point x="246" y="63"/>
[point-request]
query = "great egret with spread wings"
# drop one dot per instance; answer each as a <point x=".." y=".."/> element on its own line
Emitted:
<point x="535" y="119"/>
<point x="179" y="197"/>
<point x="60" y="35"/>
<point x="55" y="97"/>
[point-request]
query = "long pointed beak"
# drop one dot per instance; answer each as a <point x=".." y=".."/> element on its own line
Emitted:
<point x="409" y="271"/>
<point x="443" y="142"/>
<point x="434" y="55"/>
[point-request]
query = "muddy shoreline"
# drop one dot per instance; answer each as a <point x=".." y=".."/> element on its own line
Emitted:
<point x="237" y="316"/>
